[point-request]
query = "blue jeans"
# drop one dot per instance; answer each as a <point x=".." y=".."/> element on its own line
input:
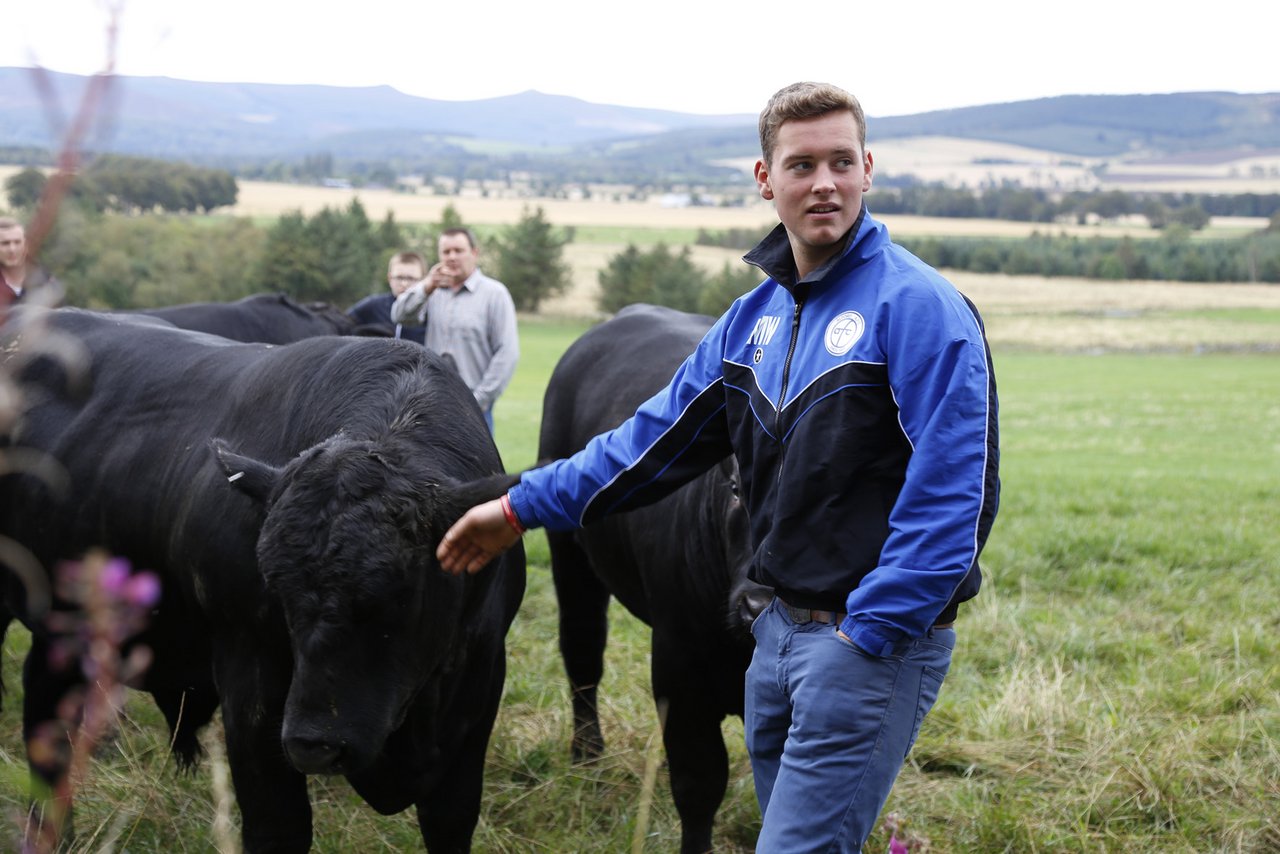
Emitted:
<point x="829" y="726"/>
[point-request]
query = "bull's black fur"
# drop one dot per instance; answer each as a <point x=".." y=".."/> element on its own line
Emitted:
<point x="679" y="565"/>
<point x="262" y="318"/>
<point x="304" y="597"/>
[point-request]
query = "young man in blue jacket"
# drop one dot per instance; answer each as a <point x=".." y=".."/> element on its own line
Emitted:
<point x="855" y="387"/>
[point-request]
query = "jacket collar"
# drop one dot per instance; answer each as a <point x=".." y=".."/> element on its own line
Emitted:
<point x="774" y="257"/>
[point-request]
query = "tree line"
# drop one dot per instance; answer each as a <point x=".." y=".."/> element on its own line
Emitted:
<point x="662" y="276"/>
<point x="336" y="255"/>
<point x="1011" y="201"/>
<point x="1174" y="256"/>
<point x="132" y="185"/>
<point x="1020" y="204"/>
<point x="340" y="255"/>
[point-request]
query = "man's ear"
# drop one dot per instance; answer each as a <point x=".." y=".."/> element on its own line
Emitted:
<point x="254" y="478"/>
<point x="762" y="181"/>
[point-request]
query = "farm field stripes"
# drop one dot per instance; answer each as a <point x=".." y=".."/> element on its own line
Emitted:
<point x="1039" y="313"/>
<point x="1082" y="315"/>
<point x="265" y="199"/>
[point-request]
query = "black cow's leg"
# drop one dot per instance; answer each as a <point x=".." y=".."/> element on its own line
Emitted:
<point x="6" y="617"/>
<point x="696" y="755"/>
<point x="584" y="631"/>
<point x="274" y="810"/>
<point x="447" y="815"/>
<point x="48" y="741"/>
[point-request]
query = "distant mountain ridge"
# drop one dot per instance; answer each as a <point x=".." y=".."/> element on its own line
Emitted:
<point x="1108" y="125"/>
<point x="229" y="123"/>
<point x="161" y="116"/>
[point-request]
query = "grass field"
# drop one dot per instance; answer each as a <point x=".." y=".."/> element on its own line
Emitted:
<point x="1116" y="685"/>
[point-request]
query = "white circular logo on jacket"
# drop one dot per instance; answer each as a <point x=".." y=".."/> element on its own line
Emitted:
<point x="843" y="332"/>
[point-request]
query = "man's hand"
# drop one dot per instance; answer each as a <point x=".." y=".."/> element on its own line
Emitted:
<point x="441" y="276"/>
<point x="408" y="306"/>
<point x="478" y="537"/>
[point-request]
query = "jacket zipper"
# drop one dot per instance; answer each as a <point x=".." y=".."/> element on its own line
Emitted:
<point x="786" y="378"/>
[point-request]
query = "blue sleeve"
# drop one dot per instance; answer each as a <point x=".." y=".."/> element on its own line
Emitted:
<point x="672" y="438"/>
<point x="940" y="373"/>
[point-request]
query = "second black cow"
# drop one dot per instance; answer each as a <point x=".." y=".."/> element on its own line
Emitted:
<point x="679" y="565"/>
<point x="290" y="499"/>
<point x="263" y="318"/>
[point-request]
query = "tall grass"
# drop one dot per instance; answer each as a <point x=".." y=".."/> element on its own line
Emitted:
<point x="1116" y="685"/>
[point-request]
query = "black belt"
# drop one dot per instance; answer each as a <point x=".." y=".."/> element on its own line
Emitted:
<point x="801" y="616"/>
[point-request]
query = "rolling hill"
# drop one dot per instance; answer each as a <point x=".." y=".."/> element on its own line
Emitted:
<point x="1139" y="138"/>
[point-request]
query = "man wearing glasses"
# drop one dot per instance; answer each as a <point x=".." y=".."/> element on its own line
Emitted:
<point x="470" y="318"/>
<point x="404" y="269"/>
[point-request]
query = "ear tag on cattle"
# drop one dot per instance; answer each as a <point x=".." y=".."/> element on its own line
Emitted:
<point x="233" y="478"/>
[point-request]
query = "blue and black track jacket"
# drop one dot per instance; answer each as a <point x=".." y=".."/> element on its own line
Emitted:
<point x="861" y="405"/>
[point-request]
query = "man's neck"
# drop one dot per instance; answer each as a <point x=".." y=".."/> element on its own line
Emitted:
<point x="462" y="283"/>
<point x="14" y="276"/>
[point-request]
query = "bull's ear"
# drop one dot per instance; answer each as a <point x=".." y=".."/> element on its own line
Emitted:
<point x="469" y="494"/>
<point x="449" y="499"/>
<point x="253" y="477"/>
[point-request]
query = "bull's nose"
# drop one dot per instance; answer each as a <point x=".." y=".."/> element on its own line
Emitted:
<point x="315" y="756"/>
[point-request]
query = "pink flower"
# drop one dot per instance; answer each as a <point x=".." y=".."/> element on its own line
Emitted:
<point x="113" y="576"/>
<point x="143" y="590"/>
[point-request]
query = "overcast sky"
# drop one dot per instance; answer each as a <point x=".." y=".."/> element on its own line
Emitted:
<point x="697" y="56"/>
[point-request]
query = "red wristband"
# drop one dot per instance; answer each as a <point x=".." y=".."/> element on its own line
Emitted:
<point x="512" y="519"/>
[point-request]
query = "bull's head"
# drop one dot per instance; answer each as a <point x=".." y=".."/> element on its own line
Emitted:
<point x="746" y="598"/>
<point x="347" y="550"/>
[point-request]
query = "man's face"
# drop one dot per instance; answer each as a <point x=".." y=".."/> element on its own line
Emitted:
<point x="402" y="274"/>
<point x="457" y="256"/>
<point x="13" y="246"/>
<point x="816" y="181"/>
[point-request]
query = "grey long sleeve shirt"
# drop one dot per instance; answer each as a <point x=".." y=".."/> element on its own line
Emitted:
<point x="474" y="325"/>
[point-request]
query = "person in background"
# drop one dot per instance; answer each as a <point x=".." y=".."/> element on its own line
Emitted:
<point x="24" y="280"/>
<point x="856" y="389"/>
<point x="403" y="270"/>
<point x="469" y="317"/>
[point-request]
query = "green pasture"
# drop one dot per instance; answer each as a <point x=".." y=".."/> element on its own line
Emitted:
<point x="1116" y="686"/>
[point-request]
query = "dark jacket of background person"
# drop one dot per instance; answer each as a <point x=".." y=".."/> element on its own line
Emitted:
<point x="376" y="310"/>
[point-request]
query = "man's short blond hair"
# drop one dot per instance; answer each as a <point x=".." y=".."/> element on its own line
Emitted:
<point x="806" y="101"/>
<point x="10" y="222"/>
<point x="409" y="258"/>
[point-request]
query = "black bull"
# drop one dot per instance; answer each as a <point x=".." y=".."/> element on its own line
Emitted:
<point x="679" y="565"/>
<point x="304" y="597"/>
<point x="263" y="318"/>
